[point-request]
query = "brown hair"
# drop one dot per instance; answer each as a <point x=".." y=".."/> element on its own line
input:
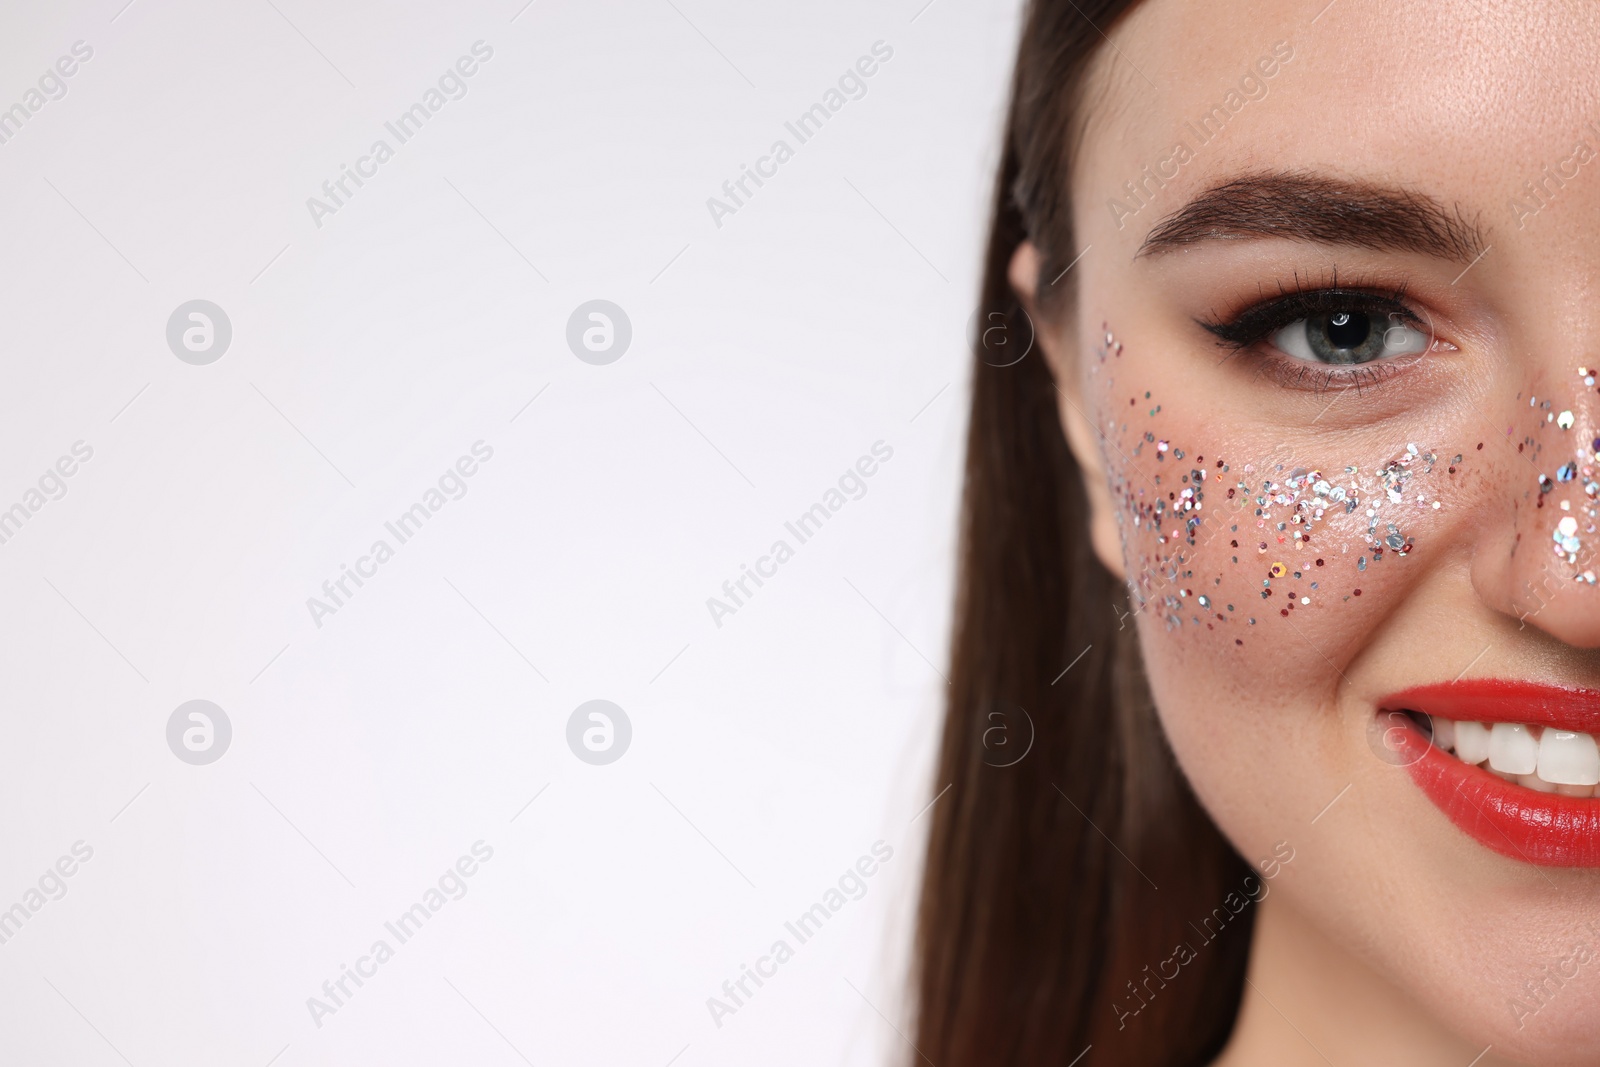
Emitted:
<point x="1058" y="888"/>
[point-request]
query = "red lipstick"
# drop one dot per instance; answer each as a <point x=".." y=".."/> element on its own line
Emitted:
<point x="1496" y="700"/>
<point x="1520" y="823"/>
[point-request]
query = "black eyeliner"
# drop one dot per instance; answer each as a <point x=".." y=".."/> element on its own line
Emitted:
<point x="1259" y="321"/>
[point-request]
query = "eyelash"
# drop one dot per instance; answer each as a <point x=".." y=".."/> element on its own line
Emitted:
<point x="1243" y="331"/>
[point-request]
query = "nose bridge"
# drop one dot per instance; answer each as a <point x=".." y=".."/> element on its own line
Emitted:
<point x="1546" y="573"/>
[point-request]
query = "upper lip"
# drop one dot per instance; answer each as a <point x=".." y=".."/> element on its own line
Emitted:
<point x="1503" y="700"/>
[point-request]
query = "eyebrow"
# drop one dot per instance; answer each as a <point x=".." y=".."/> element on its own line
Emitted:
<point x="1319" y="209"/>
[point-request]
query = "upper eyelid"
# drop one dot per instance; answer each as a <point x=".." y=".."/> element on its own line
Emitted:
<point x="1318" y="299"/>
<point x="1235" y="330"/>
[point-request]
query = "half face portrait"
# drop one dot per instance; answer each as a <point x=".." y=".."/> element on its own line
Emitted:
<point x="1315" y="292"/>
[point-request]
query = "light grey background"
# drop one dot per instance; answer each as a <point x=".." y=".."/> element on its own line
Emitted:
<point x="367" y="355"/>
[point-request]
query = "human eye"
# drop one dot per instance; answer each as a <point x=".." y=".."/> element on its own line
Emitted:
<point x="1340" y="329"/>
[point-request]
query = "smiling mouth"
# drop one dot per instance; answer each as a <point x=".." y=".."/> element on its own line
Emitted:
<point x="1541" y="758"/>
<point x="1512" y="764"/>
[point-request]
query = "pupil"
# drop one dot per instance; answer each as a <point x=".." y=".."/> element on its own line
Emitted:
<point x="1348" y="331"/>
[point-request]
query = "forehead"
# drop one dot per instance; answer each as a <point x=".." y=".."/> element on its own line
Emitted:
<point x="1456" y="97"/>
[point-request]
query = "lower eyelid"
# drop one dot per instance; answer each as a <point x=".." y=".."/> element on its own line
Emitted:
<point x="1306" y="375"/>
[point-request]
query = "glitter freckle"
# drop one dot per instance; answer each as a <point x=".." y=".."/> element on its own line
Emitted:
<point x="1287" y="505"/>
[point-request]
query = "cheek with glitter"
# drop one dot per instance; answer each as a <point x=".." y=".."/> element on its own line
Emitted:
<point x="1210" y="544"/>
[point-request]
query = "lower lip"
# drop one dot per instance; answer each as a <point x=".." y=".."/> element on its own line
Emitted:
<point x="1519" y="823"/>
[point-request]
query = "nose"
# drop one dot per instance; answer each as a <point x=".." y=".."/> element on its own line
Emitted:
<point x="1538" y="553"/>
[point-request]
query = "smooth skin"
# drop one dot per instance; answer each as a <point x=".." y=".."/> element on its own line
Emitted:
<point x="1391" y="937"/>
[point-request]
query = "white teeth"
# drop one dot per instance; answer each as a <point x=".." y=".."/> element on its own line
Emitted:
<point x="1472" y="741"/>
<point x="1543" y="759"/>
<point x="1444" y="733"/>
<point x="1513" y="749"/>
<point x="1568" y="759"/>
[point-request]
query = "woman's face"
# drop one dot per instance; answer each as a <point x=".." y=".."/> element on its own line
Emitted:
<point x="1323" y="500"/>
